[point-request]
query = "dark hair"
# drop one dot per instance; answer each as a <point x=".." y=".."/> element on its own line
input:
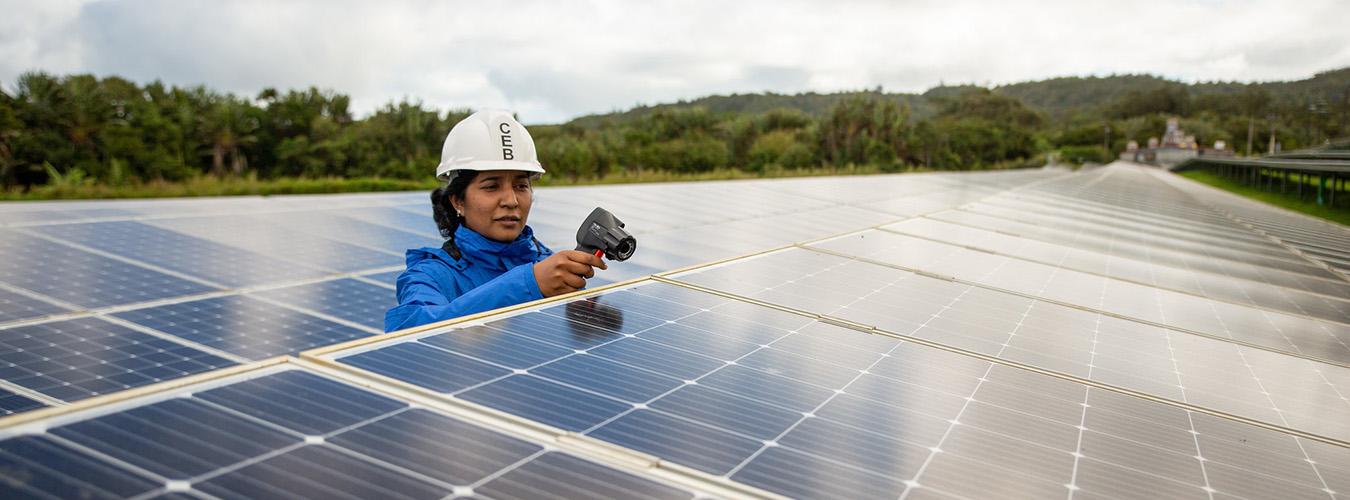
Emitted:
<point x="444" y="213"/>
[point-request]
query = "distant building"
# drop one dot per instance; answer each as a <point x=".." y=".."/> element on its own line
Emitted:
<point x="1175" y="147"/>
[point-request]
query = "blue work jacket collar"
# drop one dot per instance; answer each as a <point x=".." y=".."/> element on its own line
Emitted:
<point x="480" y="250"/>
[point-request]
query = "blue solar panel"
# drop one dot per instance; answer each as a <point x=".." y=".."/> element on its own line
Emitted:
<point x="806" y="408"/>
<point x="185" y="254"/>
<point x="16" y="306"/>
<point x="178" y="438"/>
<point x="294" y="434"/>
<point x="259" y="234"/>
<point x="243" y="326"/>
<point x="327" y="472"/>
<point x="548" y="402"/>
<point x="30" y="216"/>
<point x="11" y="403"/>
<point x="413" y="222"/>
<point x="82" y="278"/>
<point x="78" y="358"/>
<point x="389" y="278"/>
<point x="427" y="366"/>
<point x="302" y="402"/>
<point x="355" y="231"/>
<point x="436" y="446"/>
<point x="566" y="476"/>
<point x="41" y="467"/>
<point x="349" y="299"/>
<point x="489" y="345"/>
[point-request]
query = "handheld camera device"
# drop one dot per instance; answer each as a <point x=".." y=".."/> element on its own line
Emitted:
<point x="602" y="234"/>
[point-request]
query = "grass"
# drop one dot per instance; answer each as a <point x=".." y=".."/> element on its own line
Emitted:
<point x="1288" y="200"/>
<point x="251" y="185"/>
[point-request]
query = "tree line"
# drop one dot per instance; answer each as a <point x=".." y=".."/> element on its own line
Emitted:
<point x="85" y="129"/>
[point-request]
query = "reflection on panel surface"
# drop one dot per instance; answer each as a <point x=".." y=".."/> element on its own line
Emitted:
<point x="1166" y="363"/>
<point x="243" y="326"/>
<point x="294" y="434"/>
<point x="300" y="272"/>
<point x="1284" y="331"/>
<point x="805" y="408"/>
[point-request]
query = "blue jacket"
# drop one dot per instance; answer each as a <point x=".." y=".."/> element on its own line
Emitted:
<point x="488" y="275"/>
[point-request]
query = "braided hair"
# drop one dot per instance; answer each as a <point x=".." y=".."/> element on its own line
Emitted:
<point x="447" y="220"/>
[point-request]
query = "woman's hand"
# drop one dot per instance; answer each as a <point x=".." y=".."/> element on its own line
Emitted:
<point x="566" y="271"/>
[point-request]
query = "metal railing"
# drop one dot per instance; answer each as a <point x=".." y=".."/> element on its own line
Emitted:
<point x="1318" y="173"/>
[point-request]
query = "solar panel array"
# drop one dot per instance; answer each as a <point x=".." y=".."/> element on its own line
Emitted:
<point x="1110" y="333"/>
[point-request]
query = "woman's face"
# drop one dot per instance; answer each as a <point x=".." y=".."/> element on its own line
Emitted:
<point x="497" y="204"/>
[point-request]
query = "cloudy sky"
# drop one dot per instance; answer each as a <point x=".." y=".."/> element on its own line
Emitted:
<point x="555" y="60"/>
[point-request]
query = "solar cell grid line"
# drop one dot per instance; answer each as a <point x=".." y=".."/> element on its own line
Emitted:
<point x="840" y="450"/>
<point x="1298" y="334"/>
<point x="347" y="299"/>
<point x="1272" y="259"/>
<point x="331" y="225"/>
<point x="384" y="279"/>
<point x="82" y="278"/>
<point x="1147" y="207"/>
<point x="19" y="304"/>
<point x="773" y="443"/>
<point x="1187" y="229"/>
<point x="1276" y="260"/>
<point x="1205" y="285"/>
<point x="293" y="433"/>
<point x="187" y="255"/>
<point x="258" y="234"/>
<point x="20" y="218"/>
<point x="1128" y="354"/>
<point x="244" y="326"/>
<point x="413" y="221"/>
<point x="1165" y="257"/>
<point x="13" y="402"/>
<point x="79" y="358"/>
<point x="1268" y="219"/>
<point x="1171" y="212"/>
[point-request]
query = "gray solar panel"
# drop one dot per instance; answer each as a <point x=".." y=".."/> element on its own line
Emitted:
<point x="805" y="408"/>
<point x="295" y="434"/>
<point x="998" y="334"/>
<point x="1159" y="361"/>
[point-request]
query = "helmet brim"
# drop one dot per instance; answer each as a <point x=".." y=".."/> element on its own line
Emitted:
<point x="522" y="166"/>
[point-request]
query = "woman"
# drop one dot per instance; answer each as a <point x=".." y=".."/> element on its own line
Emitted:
<point x="490" y="258"/>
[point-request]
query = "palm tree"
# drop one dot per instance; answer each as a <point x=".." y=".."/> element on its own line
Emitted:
<point x="228" y="127"/>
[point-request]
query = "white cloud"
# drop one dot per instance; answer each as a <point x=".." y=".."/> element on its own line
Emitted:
<point x="554" y="60"/>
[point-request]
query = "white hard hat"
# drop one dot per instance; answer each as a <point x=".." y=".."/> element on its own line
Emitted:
<point x="490" y="139"/>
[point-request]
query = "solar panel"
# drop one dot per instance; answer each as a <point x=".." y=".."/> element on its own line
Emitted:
<point x="800" y="407"/>
<point x="78" y="358"/>
<point x="1172" y="258"/>
<point x="292" y="433"/>
<point x="1139" y="356"/>
<point x="1125" y="267"/>
<point x="17" y="306"/>
<point x="386" y="278"/>
<point x="82" y="278"/>
<point x="244" y="326"/>
<point x="1021" y="334"/>
<point x="1293" y="333"/>
<point x="184" y="254"/>
<point x="11" y="403"/>
<point x="258" y="234"/>
<point x="349" y="299"/>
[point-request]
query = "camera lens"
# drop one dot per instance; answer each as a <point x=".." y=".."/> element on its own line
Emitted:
<point x="625" y="248"/>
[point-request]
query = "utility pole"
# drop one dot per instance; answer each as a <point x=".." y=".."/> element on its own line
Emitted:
<point x="1106" y="143"/>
